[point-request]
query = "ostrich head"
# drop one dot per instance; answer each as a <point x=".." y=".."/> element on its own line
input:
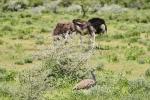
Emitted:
<point x="103" y="28"/>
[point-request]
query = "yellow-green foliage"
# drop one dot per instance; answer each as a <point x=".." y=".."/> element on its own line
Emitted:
<point x="47" y="71"/>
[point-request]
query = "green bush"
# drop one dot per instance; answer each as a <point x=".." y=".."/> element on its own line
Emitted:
<point x="28" y="59"/>
<point x="133" y="52"/>
<point x="147" y="72"/>
<point x="112" y="57"/>
<point x="15" y="5"/>
<point x="40" y="40"/>
<point x="43" y="30"/>
<point x="65" y="63"/>
<point x="133" y="39"/>
<point x="147" y="5"/>
<point x="31" y="84"/>
<point x="148" y="48"/>
<point x="7" y="75"/>
<point x="143" y="42"/>
<point x="21" y="36"/>
<point x="118" y="36"/>
<point x="35" y="3"/>
<point x="103" y="37"/>
<point x="100" y="67"/>
<point x="1" y="34"/>
<point x="1" y="42"/>
<point x="7" y="91"/>
<point x="28" y="22"/>
<point x="25" y="31"/>
<point x="141" y="61"/>
<point x="65" y="3"/>
<point x="25" y="15"/>
<point x="32" y="36"/>
<point x="18" y="48"/>
<point x="19" y="62"/>
<point x="137" y="85"/>
<point x="144" y="59"/>
<point x="7" y="28"/>
<point x="103" y="47"/>
<point x="132" y="33"/>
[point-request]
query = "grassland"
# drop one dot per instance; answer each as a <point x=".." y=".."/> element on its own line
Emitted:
<point x="122" y="55"/>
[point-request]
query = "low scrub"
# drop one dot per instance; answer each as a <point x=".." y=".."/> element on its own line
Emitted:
<point x="133" y="52"/>
<point x="6" y="75"/>
<point x="67" y="61"/>
<point x="63" y="64"/>
<point x="39" y="40"/>
<point x="15" y="5"/>
<point x="112" y="57"/>
<point x="147" y="72"/>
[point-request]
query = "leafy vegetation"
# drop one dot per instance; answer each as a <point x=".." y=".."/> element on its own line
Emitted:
<point x="32" y="68"/>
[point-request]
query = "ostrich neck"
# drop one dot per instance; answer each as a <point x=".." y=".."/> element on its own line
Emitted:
<point x="93" y="76"/>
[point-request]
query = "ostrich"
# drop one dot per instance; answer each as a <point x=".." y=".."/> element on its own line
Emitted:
<point x="63" y="30"/>
<point x="83" y="27"/>
<point x="99" y="25"/>
<point x="86" y="83"/>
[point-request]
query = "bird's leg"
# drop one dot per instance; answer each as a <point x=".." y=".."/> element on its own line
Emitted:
<point x="71" y="35"/>
<point x="56" y="40"/>
<point x="66" y="36"/>
<point x="81" y="41"/>
<point x="92" y="40"/>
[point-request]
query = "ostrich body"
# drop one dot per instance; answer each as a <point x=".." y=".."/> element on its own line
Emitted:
<point x="86" y="83"/>
<point x="99" y="25"/>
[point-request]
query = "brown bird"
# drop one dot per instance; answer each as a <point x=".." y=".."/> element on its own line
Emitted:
<point x="86" y="83"/>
